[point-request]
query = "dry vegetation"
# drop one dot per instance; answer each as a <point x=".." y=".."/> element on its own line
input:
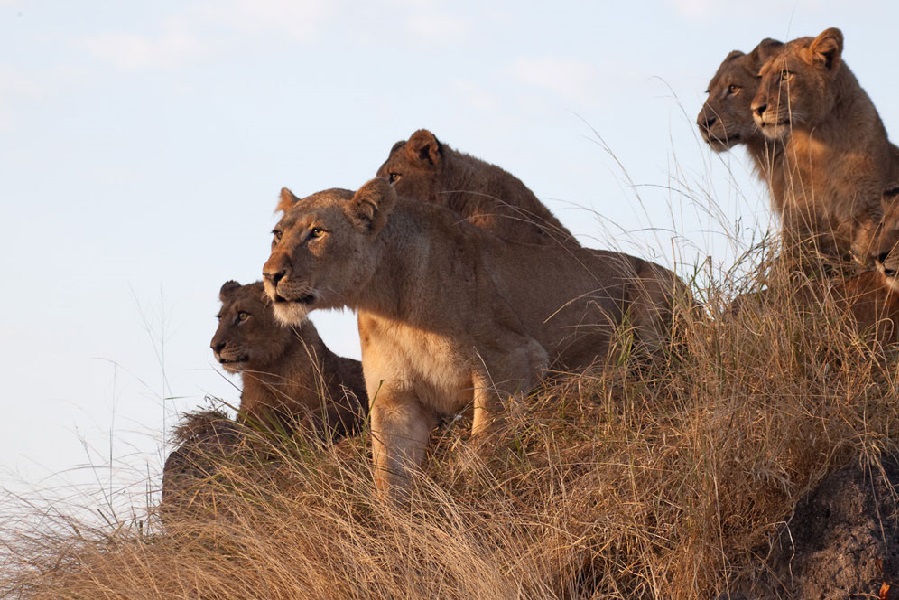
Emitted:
<point x="658" y="478"/>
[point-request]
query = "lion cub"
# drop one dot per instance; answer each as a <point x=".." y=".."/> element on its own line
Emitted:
<point x="836" y="159"/>
<point x="289" y="375"/>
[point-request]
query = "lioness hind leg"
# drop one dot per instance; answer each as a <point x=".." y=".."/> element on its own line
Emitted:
<point x="515" y="375"/>
<point x="400" y="427"/>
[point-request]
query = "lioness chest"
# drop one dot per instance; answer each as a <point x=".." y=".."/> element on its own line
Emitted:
<point x="436" y="368"/>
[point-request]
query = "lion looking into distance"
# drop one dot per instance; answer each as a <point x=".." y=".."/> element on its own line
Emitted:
<point x="438" y="334"/>
<point x="837" y="159"/>
<point x="290" y="377"/>
<point x="725" y="119"/>
<point x="490" y="197"/>
<point x="425" y="169"/>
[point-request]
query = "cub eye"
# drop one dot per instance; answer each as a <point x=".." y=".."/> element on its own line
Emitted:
<point x="733" y="88"/>
<point x="278" y="234"/>
<point x="394" y="177"/>
<point x="786" y="75"/>
<point x="242" y="316"/>
<point x="315" y="233"/>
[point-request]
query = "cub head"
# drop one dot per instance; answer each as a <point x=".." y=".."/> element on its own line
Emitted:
<point x="248" y="336"/>
<point x="726" y="117"/>
<point x="796" y="87"/>
<point x="325" y="248"/>
<point x="414" y="166"/>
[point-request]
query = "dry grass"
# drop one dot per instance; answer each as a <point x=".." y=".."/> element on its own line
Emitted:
<point x="649" y="479"/>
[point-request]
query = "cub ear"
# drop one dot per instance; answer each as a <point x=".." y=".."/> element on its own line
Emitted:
<point x="371" y="205"/>
<point x="228" y="288"/>
<point x="827" y="47"/>
<point x="424" y="147"/>
<point x="286" y="201"/>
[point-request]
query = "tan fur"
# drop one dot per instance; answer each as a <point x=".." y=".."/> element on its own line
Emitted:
<point x="837" y="159"/>
<point x="289" y="375"/>
<point x="726" y="117"/>
<point x="872" y="298"/>
<point x="437" y="333"/>
<point x="623" y="287"/>
<point x="490" y="197"/>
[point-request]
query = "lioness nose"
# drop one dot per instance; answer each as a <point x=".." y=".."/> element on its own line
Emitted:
<point x="217" y="346"/>
<point x="708" y="121"/>
<point x="274" y="277"/>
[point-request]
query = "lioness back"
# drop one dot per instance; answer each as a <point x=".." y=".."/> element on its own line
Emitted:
<point x="488" y="196"/>
<point x="290" y="376"/>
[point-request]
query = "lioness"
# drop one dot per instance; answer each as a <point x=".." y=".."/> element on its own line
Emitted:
<point x="437" y="332"/>
<point x="725" y="119"/>
<point x="836" y="158"/>
<point x="490" y="197"/>
<point x="623" y="286"/>
<point x="289" y="375"/>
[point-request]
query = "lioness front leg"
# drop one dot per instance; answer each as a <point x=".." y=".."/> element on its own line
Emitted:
<point x="400" y="427"/>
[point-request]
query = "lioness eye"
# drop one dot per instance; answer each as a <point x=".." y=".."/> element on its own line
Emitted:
<point x="786" y="75"/>
<point x="278" y="234"/>
<point x="733" y="88"/>
<point x="242" y="316"/>
<point x="315" y="233"/>
<point x="394" y="177"/>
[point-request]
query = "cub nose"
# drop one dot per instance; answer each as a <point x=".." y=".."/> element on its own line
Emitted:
<point x="760" y="109"/>
<point x="882" y="257"/>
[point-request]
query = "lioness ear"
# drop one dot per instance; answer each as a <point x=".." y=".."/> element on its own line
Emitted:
<point x="424" y="147"/>
<point x="734" y="54"/>
<point x="371" y="205"/>
<point x="765" y="50"/>
<point x="227" y="289"/>
<point x="827" y="47"/>
<point x="286" y="201"/>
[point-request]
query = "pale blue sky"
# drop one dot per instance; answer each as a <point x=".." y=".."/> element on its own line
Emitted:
<point x="143" y="146"/>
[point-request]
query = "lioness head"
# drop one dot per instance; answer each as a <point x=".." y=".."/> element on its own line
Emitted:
<point x="248" y="337"/>
<point x="726" y="117"/>
<point x="795" y="86"/>
<point x="324" y="247"/>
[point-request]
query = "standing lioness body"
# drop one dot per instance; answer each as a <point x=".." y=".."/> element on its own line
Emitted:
<point x="437" y="333"/>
